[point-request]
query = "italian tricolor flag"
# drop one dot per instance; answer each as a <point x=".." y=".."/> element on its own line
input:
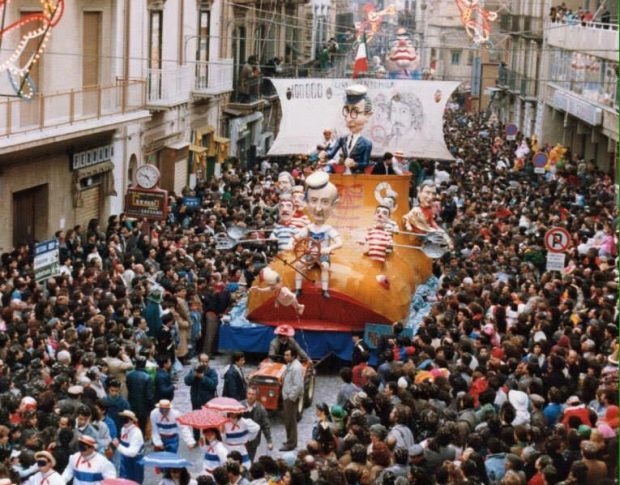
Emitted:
<point x="361" y="58"/>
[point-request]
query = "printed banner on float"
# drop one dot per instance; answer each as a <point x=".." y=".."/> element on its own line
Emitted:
<point x="407" y="115"/>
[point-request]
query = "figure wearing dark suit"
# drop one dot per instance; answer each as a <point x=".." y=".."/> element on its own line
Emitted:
<point x="141" y="392"/>
<point x="383" y="168"/>
<point x="360" y="151"/>
<point x="235" y="385"/>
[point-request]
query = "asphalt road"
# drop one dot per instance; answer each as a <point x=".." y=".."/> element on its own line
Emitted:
<point x="326" y="389"/>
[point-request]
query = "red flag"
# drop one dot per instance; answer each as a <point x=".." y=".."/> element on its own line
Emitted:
<point x="361" y="58"/>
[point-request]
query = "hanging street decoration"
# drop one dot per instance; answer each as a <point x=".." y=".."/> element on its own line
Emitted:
<point x="30" y="33"/>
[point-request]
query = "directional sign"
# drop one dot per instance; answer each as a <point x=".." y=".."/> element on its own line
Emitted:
<point x="557" y="240"/>
<point x="46" y="260"/>
<point x="511" y="131"/>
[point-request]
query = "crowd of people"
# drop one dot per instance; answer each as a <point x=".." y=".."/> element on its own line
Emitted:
<point x="511" y="378"/>
<point x="562" y="14"/>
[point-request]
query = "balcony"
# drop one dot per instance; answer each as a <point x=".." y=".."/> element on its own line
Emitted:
<point x="599" y="40"/>
<point x="69" y="113"/>
<point x="168" y="87"/>
<point x="260" y="93"/>
<point x="517" y="83"/>
<point x="212" y="78"/>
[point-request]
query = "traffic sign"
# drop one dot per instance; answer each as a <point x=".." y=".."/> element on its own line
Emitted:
<point x="557" y="240"/>
<point x="540" y="162"/>
<point x="46" y="260"/>
<point x="511" y="131"/>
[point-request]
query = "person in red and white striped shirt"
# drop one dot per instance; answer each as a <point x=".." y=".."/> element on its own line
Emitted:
<point x="378" y="238"/>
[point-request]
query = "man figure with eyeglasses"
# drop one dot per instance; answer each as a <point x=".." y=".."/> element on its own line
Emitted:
<point x="355" y="148"/>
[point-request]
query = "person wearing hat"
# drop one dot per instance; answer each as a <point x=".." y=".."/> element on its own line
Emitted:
<point x="237" y="432"/>
<point x="131" y="448"/>
<point x="354" y="147"/>
<point x="284" y="340"/>
<point x="401" y="165"/>
<point x="166" y="429"/>
<point x="322" y="197"/>
<point x="46" y="474"/>
<point x="574" y="407"/>
<point x="87" y="467"/>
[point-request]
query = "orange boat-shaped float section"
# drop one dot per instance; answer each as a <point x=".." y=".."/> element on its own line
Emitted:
<point x="357" y="298"/>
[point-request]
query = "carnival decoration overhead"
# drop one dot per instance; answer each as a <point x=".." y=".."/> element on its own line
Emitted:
<point x="476" y="20"/>
<point x="403" y="58"/>
<point x="371" y="22"/>
<point x="29" y="35"/>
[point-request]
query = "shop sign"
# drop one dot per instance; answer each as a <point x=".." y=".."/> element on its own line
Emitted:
<point x="147" y="204"/>
<point x="91" y="157"/>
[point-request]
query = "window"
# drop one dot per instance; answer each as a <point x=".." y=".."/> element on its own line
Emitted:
<point x="202" y="52"/>
<point x="155" y="38"/>
<point x="455" y="57"/>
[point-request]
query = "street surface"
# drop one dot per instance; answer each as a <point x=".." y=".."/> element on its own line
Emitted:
<point x="326" y="389"/>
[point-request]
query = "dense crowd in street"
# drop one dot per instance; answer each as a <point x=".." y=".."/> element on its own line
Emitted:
<point x="511" y="378"/>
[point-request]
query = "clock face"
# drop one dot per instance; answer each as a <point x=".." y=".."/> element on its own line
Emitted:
<point x="147" y="176"/>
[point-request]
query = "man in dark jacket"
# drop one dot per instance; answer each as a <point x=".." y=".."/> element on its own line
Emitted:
<point x="257" y="413"/>
<point x="141" y="392"/>
<point x="164" y="388"/>
<point x="202" y="382"/>
<point x="235" y="385"/>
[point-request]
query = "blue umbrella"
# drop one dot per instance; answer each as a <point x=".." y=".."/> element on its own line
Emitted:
<point x="165" y="459"/>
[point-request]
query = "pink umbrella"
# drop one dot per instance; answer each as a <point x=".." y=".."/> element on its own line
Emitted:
<point x="225" y="405"/>
<point x="202" y="419"/>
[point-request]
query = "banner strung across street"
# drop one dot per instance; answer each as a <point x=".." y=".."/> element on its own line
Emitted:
<point x="407" y="115"/>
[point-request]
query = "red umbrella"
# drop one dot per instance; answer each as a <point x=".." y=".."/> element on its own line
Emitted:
<point x="118" y="481"/>
<point x="225" y="405"/>
<point x="202" y="419"/>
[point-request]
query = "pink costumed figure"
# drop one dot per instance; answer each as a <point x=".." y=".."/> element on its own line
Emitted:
<point x="284" y="296"/>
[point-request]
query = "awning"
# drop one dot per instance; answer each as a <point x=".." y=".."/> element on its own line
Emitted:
<point x="220" y="139"/>
<point x="179" y="145"/>
<point x="234" y="112"/>
<point x="95" y="170"/>
<point x="197" y="149"/>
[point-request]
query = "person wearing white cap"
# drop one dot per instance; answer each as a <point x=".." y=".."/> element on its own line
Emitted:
<point x="355" y="148"/>
<point x="87" y="467"/>
<point x="166" y="430"/>
<point x="322" y="197"/>
<point x="46" y="475"/>
<point x="131" y="447"/>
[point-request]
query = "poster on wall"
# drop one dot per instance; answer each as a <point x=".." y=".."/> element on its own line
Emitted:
<point x="407" y="115"/>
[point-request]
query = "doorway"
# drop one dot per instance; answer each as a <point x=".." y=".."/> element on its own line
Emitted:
<point x="30" y="215"/>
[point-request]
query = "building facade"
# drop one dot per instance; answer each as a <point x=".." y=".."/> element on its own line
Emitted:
<point x="580" y="90"/>
<point x="120" y="83"/>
